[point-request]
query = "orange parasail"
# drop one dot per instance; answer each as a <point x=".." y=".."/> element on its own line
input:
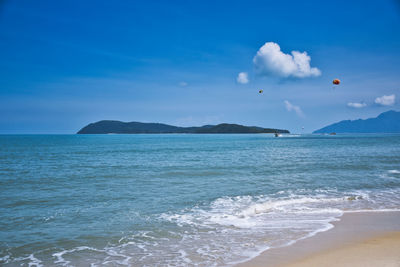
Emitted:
<point x="336" y="81"/>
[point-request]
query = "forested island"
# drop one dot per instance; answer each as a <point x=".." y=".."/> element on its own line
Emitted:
<point x="118" y="127"/>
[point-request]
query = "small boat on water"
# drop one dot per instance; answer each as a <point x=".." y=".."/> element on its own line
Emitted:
<point x="277" y="135"/>
<point x="332" y="134"/>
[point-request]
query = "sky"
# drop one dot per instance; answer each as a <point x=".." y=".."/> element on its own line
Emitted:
<point x="64" y="64"/>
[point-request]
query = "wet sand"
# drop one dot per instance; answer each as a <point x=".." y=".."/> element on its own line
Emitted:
<point x="358" y="239"/>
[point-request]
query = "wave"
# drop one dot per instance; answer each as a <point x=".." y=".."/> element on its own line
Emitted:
<point x="284" y="217"/>
<point x="244" y="211"/>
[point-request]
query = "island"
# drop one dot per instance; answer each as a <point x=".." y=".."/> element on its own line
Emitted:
<point x="119" y="127"/>
<point x="386" y="122"/>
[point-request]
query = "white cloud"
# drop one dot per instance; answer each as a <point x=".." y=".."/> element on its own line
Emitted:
<point x="271" y="60"/>
<point x="385" y="100"/>
<point x="297" y="109"/>
<point x="356" y="105"/>
<point x="242" y="78"/>
<point x="183" y="84"/>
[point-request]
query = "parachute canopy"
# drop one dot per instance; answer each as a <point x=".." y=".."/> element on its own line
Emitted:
<point x="336" y="81"/>
<point x="261" y="91"/>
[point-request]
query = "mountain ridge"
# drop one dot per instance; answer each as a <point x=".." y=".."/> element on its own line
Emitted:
<point x="386" y="122"/>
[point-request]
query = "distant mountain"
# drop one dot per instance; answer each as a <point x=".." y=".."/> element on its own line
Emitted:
<point x="118" y="127"/>
<point x="387" y="122"/>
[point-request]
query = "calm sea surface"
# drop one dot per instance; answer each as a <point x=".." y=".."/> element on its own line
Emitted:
<point x="182" y="200"/>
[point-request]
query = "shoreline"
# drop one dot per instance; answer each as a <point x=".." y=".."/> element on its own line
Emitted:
<point x="349" y="239"/>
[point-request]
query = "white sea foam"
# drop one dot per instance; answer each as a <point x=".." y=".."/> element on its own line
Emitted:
<point x="30" y="260"/>
<point x="246" y="209"/>
<point x="64" y="262"/>
<point x="112" y="255"/>
<point x="5" y="259"/>
<point x="34" y="262"/>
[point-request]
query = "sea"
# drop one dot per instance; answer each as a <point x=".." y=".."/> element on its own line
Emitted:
<point x="183" y="199"/>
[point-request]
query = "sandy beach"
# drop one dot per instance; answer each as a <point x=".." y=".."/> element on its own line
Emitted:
<point x="358" y="239"/>
<point x="379" y="251"/>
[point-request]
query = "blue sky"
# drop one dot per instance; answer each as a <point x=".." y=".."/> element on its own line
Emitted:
<point x="65" y="64"/>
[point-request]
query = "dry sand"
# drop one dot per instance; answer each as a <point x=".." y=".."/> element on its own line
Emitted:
<point x="358" y="239"/>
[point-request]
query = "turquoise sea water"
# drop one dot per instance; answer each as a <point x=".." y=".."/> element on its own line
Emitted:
<point x="182" y="200"/>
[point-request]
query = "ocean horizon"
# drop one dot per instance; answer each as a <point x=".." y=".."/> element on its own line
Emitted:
<point x="183" y="199"/>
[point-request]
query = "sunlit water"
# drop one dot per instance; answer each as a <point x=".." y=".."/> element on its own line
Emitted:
<point x="182" y="200"/>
